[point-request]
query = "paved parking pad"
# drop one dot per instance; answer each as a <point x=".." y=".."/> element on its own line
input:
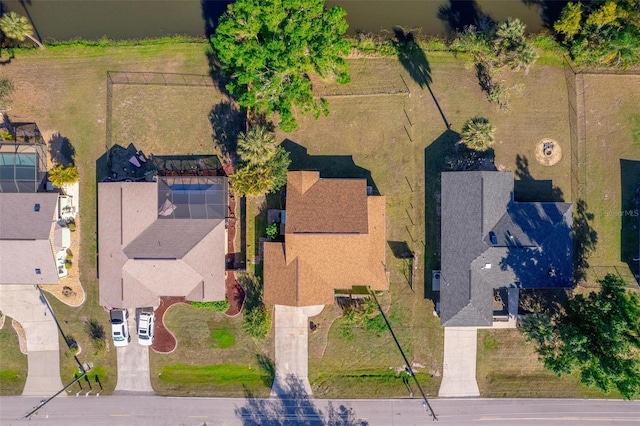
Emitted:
<point x="292" y="347"/>
<point x="133" y="365"/>
<point x="459" y="372"/>
<point x="24" y="304"/>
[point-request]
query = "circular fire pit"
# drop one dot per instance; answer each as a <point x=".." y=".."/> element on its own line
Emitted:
<point x="548" y="152"/>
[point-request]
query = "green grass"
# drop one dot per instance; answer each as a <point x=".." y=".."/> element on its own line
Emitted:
<point x="222" y="338"/>
<point x="195" y="329"/>
<point x="216" y="375"/>
<point x="13" y="365"/>
<point x="369" y="383"/>
<point x="612" y="104"/>
<point x="508" y="367"/>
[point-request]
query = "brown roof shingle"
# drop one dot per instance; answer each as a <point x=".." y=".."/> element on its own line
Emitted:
<point x="308" y="267"/>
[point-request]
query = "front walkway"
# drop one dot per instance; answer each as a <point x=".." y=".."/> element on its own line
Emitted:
<point x="459" y="372"/>
<point x="24" y="304"/>
<point x="292" y="347"/>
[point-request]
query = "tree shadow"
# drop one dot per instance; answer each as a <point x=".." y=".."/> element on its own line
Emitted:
<point x="329" y="166"/>
<point x="269" y="367"/>
<point x="550" y="10"/>
<point x="227" y="121"/>
<point x="400" y="249"/>
<point x="585" y="239"/>
<point x="415" y="61"/>
<point x="435" y="155"/>
<point x="294" y="407"/>
<point x="526" y="188"/>
<point x="212" y="10"/>
<point x="253" y="291"/>
<point x="61" y="150"/>
<point x="630" y="231"/>
<point x="459" y="14"/>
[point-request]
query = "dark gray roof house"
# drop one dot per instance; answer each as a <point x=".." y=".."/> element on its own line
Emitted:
<point x="489" y="241"/>
<point x="162" y="238"/>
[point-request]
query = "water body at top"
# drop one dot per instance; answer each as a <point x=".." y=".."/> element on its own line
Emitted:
<point x="130" y="19"/>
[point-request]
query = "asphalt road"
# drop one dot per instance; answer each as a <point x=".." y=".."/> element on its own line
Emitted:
<point x="155" y="410"/>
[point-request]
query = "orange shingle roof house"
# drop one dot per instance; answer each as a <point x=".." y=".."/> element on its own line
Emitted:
<point x="334" y="240"/>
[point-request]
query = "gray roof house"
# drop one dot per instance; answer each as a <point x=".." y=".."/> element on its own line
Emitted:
<point x="162" y="238"/>
<point x="491" y="242"/>
<point x="28" y="223"/>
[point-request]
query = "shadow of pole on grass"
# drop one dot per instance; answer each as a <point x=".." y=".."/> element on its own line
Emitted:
<point x="414" y="60"/>
<point x="294" y="407"/>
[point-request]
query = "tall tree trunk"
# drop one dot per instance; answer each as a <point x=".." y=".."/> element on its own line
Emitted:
<point x="35" y="40"/>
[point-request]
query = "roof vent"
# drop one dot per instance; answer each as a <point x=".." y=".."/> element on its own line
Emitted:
<point x="487" y="266"/>
<point x="36" y="208"/>
<point x="494" y="239"/>
<point x="38" y="272"/>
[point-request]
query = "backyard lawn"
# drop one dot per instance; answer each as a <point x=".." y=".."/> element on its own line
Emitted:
<point x="395" y="141"/>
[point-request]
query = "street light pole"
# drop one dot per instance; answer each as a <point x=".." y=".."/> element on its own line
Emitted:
<point x="425" y="404"/>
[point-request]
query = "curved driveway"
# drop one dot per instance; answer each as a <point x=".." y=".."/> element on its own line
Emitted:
<point x="24" y="304"/>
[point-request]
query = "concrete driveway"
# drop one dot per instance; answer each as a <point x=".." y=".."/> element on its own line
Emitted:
<point x="459" y="372"/>
<point x="24" y="304"/>
<point x="292" y="346"/>
<point x="133" y="364"/>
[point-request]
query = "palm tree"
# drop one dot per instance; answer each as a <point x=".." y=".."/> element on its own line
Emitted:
<point x="61" y="175"/>
<point x="17" y="27"/>
<point x="257" y="146"/>
<point x="478" y="134"/>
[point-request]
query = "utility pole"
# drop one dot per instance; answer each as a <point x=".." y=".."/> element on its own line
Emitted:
<point x="425" y="404"/>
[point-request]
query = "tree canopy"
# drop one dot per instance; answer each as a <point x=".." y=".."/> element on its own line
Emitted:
<point x="17" y="27"/>
<point x="478" y="134"/>
<point x="597" y="336"/>
<point x="601" y="33"/>
<point x="263" y="164"/>
<point x="270" y="47"/>
<point x="60" y="175"/>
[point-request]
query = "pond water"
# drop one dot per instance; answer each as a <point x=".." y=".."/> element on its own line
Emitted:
<point x="129" y="19"/>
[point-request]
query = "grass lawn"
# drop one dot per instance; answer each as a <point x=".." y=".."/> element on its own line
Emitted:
<point x="509" y="368"/>
<point x="13" y="365"/>
<point x="214" y="356"/>
<point x="612" y="105"/>
<point x="396" y="141"/>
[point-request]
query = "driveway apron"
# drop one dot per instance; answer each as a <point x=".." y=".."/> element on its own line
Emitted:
<point x="133" y="365"/>
<point x="292" y="347"/>
<point x="24" y="304"/>
<point x="459" y="372"/>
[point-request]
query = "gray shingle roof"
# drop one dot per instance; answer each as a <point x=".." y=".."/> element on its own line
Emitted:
<point x="143" y="255"/>
<point x="533" y="247"/>
<point x="24" y="238"/>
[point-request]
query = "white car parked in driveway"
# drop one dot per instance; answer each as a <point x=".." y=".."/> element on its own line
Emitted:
<point x="146" y="322"/>
<point x="120" y="327"/>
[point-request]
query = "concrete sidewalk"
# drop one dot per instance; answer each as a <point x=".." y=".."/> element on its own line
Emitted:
<point x="24" y="304"/>
<point x="459" y="372"/>
<point x="292" y="346"/>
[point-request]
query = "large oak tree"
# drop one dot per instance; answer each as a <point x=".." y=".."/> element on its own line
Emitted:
<point x="270" y="47"/>
<point x="597" y="336"/>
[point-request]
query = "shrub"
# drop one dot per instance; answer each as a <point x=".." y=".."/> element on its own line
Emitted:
<point x="257" y="322"/>
<point x="96" y="333"/>
<point x="273" y="231"/>
<point x="71" y="226"/>
<point x="67" y="264"/>
<point x="60" y="175"/>
<point x="218" y="306"/>
<point x="478" y="134"/>
<point x="69" y="254"/>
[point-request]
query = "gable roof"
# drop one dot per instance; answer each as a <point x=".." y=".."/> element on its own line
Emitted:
<point x="309" y="266"/>
<point x="531" y="240"/>
<point x="145" y="254"/>
<point x="25" y="233"/>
